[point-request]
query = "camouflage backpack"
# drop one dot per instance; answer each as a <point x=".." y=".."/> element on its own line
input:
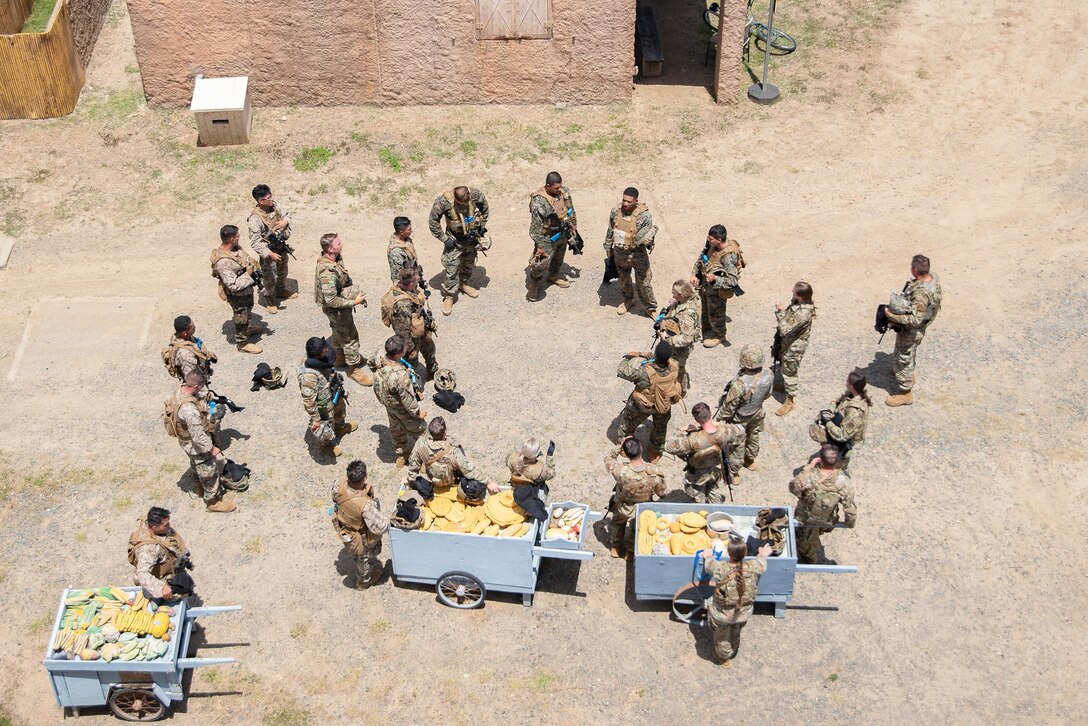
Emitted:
<point x="174" y="427"/>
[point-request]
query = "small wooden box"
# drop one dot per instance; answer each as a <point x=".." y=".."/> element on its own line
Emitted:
<point x="222" y="110"/>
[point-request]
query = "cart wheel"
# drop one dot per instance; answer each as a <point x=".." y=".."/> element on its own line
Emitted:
<point x="689" y="603"/>
<point x="134" y="704"/>
<point x="460" y="590"/>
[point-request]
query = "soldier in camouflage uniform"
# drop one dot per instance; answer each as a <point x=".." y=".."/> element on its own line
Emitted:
<point x="679" y="325"/>
<point x="439" y="458"/>
<point x="186" y="353"/>
<point x="742" y="403"/>
<point x="234" y="269"/>
<point x="657" y="389"/>
<point x="359" y="523"/>
<point x="155" y="549"/>
<point x="924" y="292"/>
<point x="411" y="318"/>
<point x="399" y="389"/>
<point x="629" y="241"/>
<point x="192" y="419"/>
<point x="465" y="211"/>
<point x="717" y="275"/>
<point x="636" y="482"/>
<point x="323" y="395"/>
<point x="845" y="422"/>
<point x="701" y="447"/>
<point x="401" y="252"/>
<point x="794" y="326"/>
<point x="735" y="583"/>
<point x="526" y="465"/>
<point x="552" y="226"/>
<point x="269" y="219"/>
<point x="338" y="296"/>
<point x="822" y="488"/>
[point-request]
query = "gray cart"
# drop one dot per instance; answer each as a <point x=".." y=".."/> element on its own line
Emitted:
<point x="134" y="690"/>
<point x="663" y="577"/>
<point x="464" y="567"/>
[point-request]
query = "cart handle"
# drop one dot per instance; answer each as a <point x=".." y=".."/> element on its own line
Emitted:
<point x="192" y="613"/>
<point x="828" y="569"/>
<point x="202" y="662"/>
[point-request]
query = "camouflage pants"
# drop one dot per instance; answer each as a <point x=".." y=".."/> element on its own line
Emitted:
<point x="705" y="486"/>
<point x="206" y="471"/>
<point x="404" y="428"/>
<point x="680" y="355"/>
<point x="636" y="260"/>
<point x="906" y="349"/>
<point x="458" y="264"/>
<point x="713" y="306"/>
<point x="275" y="278"/>
<point x="345" y="336"/>
<point x="746" y="455"/>
<point x="724" y="634"/>
<point x="634" y="415"/>
<point x="786" y="373"/>
<point x="425" y="350"/>
<point x="363" y="552"/>
<point x="551" y="262"/>
<point x="620" y="537"/>
<point x="808" y="543"/>
<point x="241" y="307"/>
<point x="326" y="433"/>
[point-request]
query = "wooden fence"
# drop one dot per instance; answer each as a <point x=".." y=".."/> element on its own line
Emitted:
<point x="13" y="14"/>
<point x="40" y="73"/>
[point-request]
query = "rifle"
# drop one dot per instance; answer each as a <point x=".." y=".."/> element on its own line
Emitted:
<point x="277" y="242"/>
<point x="475" y="236"/>
<point x="727" y="472"/>
<point x="776" y="348"/>
<point x="700" y="264"/>
<point x="657" y="325"/>
<point x="577" y="244"/>
<point x="336" y="385"/>
<point x="258" y="278"/>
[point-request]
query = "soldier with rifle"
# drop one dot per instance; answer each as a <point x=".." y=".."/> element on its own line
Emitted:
<point x="160" y="558"/>
<point x="323" y="395"/>
<point x="338" y="296"/>
<point x="237" y="275"/>
<point x="704" y="447"/>
<point x="269" y="230"/>
<point x="465" y="213"/>
<point x="716" y="275"/>
<point x="553" y="226"/>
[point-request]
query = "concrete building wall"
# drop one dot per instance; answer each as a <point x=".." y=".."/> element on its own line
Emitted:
<point x="333" y="52"/>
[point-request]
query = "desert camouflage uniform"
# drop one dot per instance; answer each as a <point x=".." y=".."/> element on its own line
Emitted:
<point x="725" y="265"/>
<point x="545" y="214"/>
<point x="543" y="469"/>
<point x="191" y="355"/>
<point x="234" y="271"/>
<point x="742" y="403"/>
<point x="317" y="394"/>
<point x="638" y="408"/>
<point x="794" y="326"/>
<point x="335" y="293"/>
<point x="910" y="328"/>
<point x="444" y="470"/>
<point x="199" y="422"/>
<point x="275" y="273"/>
<point x="460" y="261"/>
<point x="819" y="497"/>
<point x="686" y="315"/>
<point x="854" y="412"/>
<point x="397" y="387"/>
<point x="155" y="558"/>
<point x="401" y="253"/>
<point x="407" y="320"/>
<point x="635" y="484"/>
<point x="360" y="524"/>
<point x="630" y="250"/>
<point x="728" y="613"/>
<point x="702" y="451"/>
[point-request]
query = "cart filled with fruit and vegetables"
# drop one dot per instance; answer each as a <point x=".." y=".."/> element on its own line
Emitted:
<point x="466" y="549"/>
<point x="112" y="646"/>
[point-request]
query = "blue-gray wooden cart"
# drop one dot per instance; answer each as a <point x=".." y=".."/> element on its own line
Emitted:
<point x="464" y="567"/>
<point x="133" y="690"/>
<point x="664" y="577"/>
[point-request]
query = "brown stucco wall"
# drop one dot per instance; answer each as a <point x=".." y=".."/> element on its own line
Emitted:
<point x="333" y="52"/>
<point x="87" y="19"/>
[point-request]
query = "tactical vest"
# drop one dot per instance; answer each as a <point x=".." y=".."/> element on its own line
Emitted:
<point x="663" y="391"/>
<point x="673" y="315"/>
<point x="625" y="228"/>
<point x="636" y="487"/>
<point x="172" y="545"/>
<point x="384" y="382"/>
<point x="322" y="389"/>
<point x="527" y="473"/>
<point x="239" y="258"/>
<point x="439" y="469"/>
<point x="932" y="288"/>
<point x="757" y="387"/>
<point x="270" y="218"/>
<point x="805" y="329"/>
<point x="562" y="208"/>
<point x="350" y="503"/>
<point x="709" y="453"/>
<point x="457" y="223"/>
<point x="343" y="279"/>
<point x="396" y="243"/>
<point x="172" y="420"/>
<point x="725" y="592"/>
<point x="170" y="356"/>
<point x="819" y="506"/>
<point x="394" y="295"/>
<point x="857" y="403"/>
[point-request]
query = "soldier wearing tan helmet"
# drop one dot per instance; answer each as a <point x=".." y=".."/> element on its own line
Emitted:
<point x="741" y="403"/>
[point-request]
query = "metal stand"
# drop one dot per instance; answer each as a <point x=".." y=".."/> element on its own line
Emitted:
<point x="764" y="92"/>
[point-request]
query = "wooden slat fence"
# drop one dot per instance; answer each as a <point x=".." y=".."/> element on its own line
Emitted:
<point x="40" y="73"/>
<point x="13" y="14"/>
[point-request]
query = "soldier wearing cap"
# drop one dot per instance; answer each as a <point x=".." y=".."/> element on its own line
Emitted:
<point x="741" y="403"/>
<point x="323" y="395"/>
<point x="359" y="523"/>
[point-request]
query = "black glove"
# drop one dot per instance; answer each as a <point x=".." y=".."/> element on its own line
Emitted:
<point x="551" y="448"/>
<point x="449" y="243"/>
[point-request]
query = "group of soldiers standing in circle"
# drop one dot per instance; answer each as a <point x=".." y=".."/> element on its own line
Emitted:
<point x="695" y="313"/>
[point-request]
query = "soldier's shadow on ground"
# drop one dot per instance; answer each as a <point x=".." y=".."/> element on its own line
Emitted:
<point x="479" y="278"/>
<point x="608" y="295"/>
<point x="345" y="567"/>
<point x="385" y="451"/>
<point x="320" y="454"/>
<point x="187" y="483"/>
<point x="224" y="438"/>
<point x="256" y="322"/>
<point x="879" y="372"/>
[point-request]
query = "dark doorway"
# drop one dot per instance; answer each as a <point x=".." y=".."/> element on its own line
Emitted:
<point x="684" y="42"/>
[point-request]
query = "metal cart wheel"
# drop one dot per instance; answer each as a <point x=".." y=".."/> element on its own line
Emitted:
<point x="135" y="704"/>
<point x="689" y="603"/>
<point x="460" y="590"/>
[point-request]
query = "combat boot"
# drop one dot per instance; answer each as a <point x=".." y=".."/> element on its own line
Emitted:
<point x="558" y="282"/>
<point x="785" y="407"/>
<point x="357" y="374"/>
<point x="615" y="552"/>
<point x="250" y="348"/>
<point x="340" y="360"/>
<point x="905" y="398"/>
<point x="272" y="307"/>
<point x="536" y="291"/>
<point x="447" y="305"/>
<point x="376" y="576"/>
<point x="347" y="428"/>
<point x="711" y="342"/>
<point x="470" y="291"/>
<point x="401" y="461"/>
<point x="625" y="308"/>
<point x="286" y="295"/>
<point x="333" y="449"/>
<point x="653" y="455"/>
<point x="220" y="505"/>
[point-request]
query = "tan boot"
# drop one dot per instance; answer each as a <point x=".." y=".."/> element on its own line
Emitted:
<point x="272" y="308"/>
<point x="339" y="362"/>
<point x="615" y="552"/>
<point x="726" y="664"/>
<point x="401" y="461"/>
<point x="558" y="282"/>
<point x="447" y="305"/>
<point x="347" y="428"/>
<point x="219" y="505"/>
<point x="625" y="308"/>
<point x="785" y="407"/>
<point x="251" y="348"/>
<point x="292" y="296"/>
<point x="653" y="455"/>
<point x="711" y="342"/>
<point x="470" y="291"/>
<point x="357" y="374"/>
<point x="905" y="398"/>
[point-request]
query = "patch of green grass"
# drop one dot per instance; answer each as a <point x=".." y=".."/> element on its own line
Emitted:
<point x="299" y="630"/>
<point x="468" y="147"/>
<point x="5" y="717"/>
<point x="121" y="503"/>
<point x="39" y="16"/>
<point x="416" y="154"/>
<point x="312" y="158"/>
<point x="38" y="625"/>
<point x="360" y="138"/>
<point x="255" y="546"/>
<point x="542" y="681"/>
<point x="114" y="106"/>
<point x="14" y="223"/>
<point x="379" y="626"/>
<point x="290" y="713"/>
<point x="129" y="68"/>
<point x="81" y="537"/>
<point x="389" y="156"/>
<point x="319" y="189"/>
<point x="833" y="677"/>
<point x="39" y="176"/>
<point x="922" y="73"/>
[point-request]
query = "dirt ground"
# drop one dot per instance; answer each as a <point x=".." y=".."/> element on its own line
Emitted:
<point x="916" y="126"/>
